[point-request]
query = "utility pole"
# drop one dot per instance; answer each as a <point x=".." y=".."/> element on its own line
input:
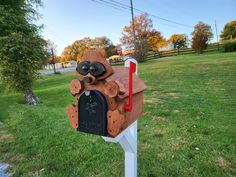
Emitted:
<point x="133" y="27"/>
<point x="53" y="61"/>
<point x="217" y="36"/>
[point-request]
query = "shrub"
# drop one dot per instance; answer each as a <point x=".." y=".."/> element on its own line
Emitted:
<point x="229" y="47"/>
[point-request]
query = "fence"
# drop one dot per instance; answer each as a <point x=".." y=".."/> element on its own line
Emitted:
<point x="167" y="53"/>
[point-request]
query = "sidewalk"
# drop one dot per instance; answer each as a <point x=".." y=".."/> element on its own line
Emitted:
<point x="61" y="70"/>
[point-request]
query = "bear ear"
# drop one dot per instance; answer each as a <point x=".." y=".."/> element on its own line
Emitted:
<point x="96" y="55"/>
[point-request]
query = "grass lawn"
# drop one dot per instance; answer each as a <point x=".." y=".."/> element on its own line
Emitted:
<point x="188" y="129"/>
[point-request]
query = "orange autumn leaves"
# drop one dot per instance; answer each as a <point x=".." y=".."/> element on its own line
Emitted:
<point x="229" y="31"/>
<point x="76" y="50"/>
<point x="146" y="35"/>
<point x="156" y="41"/>
<point x="178" y="40"/>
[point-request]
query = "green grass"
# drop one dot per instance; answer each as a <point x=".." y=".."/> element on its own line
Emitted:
<point x="188" y="128"/>
<point x="211" y="49"/>
<point x="43" y="70"/>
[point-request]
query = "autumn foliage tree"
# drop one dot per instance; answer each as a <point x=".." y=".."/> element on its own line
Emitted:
<point x="111" y="50"/>
<point x="201" y="35"/>
<point x="229" y="31"/>
<point x="66" y="54"/>
<point x="75" y="51"/>
<point x="178" y="41"/>
<point x="199" y="42"/>
<point x="143" y="26"/>
<point x="156" y="41"/>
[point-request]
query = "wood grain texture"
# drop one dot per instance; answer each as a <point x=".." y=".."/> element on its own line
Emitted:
<point x="96" y="55"/>
<point x="122" y="87"/>
<point x="114" y="85"/>
<point x="136" y="112"/>
<point x="111" y="89"/>
<point x="121" y="75"/>
<point x="115" y="121"/>
<point x="72" y="113"/>
<point x="75" y="87"/>
<point x="112" y="103"/>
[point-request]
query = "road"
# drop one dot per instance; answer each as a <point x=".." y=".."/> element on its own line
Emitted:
<point x="61" y="70"/>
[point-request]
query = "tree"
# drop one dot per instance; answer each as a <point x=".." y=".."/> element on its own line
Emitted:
<point x="52" y="50"/>
<point x="22" y="49"/>
<point x="143" y="26"/>
<point x="201" y="35"/>
<point x="101" y="42"/>
<point x="57" y="59"/>
<point x="229" y="31"/>
<point x="114" y="50"/>
<point x="66" y="54"/>
<point x="111" y="50"/>
<point x="179" y="41"/>
<point x="156" y="41"/>
<point x="76" y="50"/>
<point x="199" y="42"/>
<point x="141" y="49"/>
<point x="203" y="28"/>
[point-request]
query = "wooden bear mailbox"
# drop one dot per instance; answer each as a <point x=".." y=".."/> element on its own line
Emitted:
<point x="108" y="99"/>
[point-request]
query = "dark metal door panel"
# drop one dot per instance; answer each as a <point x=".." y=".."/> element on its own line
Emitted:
<point x="92" y="107"/>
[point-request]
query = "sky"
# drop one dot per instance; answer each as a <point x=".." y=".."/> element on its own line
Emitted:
<point x="68" y="20"/>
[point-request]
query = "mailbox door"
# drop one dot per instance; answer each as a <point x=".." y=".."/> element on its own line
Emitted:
<point x="92" y="108"/>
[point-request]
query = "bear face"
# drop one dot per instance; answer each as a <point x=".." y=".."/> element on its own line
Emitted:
<point x="93" y="67"/>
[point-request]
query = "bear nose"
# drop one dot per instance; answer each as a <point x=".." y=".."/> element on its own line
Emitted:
<point x="87" y="79"/>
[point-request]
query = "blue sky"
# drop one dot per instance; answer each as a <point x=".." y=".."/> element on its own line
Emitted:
<point x="69" y="20"/>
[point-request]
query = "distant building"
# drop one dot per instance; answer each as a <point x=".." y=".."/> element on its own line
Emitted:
<point x="59" y="65"/>
<point x="68" y="64"/>
<point x="71" y="63"/>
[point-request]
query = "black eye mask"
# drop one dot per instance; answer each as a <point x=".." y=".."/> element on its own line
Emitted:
<point x="83" y="67"/>
<point x="95" y="68"/>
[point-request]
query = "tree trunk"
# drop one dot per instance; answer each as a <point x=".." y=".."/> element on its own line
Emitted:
<point x="30" y="98"/>
<point x="54" y="68"/>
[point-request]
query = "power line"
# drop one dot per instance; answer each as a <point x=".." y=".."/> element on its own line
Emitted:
<point x="55" y="34"/>
<point x="117" y="4"/>
<point x="123" y="6"/>
<point x="155" y="16"/>
<point x="106" y="4"/>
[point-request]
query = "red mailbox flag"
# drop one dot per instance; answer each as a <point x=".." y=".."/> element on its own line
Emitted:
<point x="132" y="69"/>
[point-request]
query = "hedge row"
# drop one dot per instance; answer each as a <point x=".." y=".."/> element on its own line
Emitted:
<point x="229" y="46"/>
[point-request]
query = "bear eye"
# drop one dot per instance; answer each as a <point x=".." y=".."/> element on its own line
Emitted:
<point x="83" y="67"/>
<point x="92" y="68"/>
<point x="97" y="69"/>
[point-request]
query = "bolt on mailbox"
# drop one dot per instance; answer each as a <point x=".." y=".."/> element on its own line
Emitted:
<point x="108" y="99"/>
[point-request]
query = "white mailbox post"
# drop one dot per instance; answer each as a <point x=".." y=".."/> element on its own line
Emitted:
<point x="128" y="140"/>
